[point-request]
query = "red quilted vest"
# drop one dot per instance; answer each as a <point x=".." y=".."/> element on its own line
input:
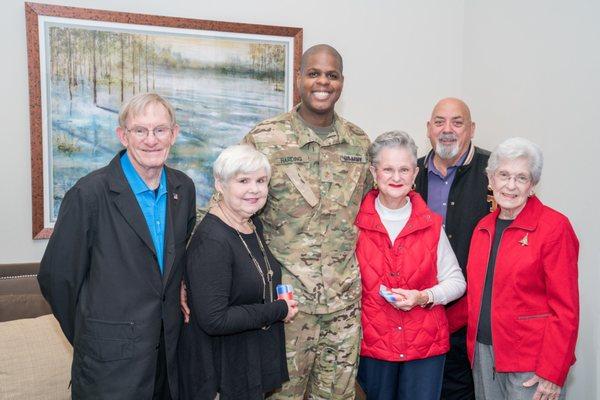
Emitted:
<point x="411" y="263"/>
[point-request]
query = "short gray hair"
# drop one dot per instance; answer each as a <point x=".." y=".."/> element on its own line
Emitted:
<point x="514" y="148"/>
<point x="239" y="159"/>
<point x="392" y="139"/>
<point x="136" y="105"/>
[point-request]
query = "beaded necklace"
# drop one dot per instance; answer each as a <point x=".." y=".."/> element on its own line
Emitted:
<point x="269" y="277"/>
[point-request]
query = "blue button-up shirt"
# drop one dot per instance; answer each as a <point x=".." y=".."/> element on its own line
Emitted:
<point x="153" y="205"/>
<point x="438" y="185"/>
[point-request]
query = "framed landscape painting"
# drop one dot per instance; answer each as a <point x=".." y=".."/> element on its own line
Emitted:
<point x="222" y="79"/>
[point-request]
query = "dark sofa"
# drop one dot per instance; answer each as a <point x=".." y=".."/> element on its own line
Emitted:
<point x="20" y="295"/>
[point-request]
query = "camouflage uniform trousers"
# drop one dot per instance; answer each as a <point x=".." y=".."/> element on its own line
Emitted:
<point x="322" y="355"/>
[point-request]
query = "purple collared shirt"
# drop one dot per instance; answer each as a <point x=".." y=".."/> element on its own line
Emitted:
<point x="438" y="186"/>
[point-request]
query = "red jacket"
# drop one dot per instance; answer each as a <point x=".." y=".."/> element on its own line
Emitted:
<point x="411" y="263"/>
<point x="535" y="301"/>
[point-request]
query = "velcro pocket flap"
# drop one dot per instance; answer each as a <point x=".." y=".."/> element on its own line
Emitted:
<point x="302" y="185"/>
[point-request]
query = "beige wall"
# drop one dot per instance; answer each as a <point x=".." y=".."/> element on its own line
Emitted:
<point x="526" y="68"/>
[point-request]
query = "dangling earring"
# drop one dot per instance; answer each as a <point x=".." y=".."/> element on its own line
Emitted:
<point x="531" y="194"/>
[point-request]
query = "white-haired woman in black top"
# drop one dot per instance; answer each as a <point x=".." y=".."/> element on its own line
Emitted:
<point x="234" y="343"/>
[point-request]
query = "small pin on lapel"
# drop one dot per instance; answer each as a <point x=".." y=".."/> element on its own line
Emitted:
<point x="524" y="241"/>
<point x="175" y="196"/>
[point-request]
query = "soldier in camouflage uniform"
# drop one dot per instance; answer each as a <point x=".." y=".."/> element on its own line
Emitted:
<point x="319" y="176"/>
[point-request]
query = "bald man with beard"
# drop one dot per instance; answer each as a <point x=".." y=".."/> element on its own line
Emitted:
<point x="452" y="179"/>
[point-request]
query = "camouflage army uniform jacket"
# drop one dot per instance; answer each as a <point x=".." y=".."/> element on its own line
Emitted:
<point x="315" y="192"/>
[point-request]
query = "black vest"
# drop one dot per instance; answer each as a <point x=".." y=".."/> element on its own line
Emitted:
<point x="467" y="201"/>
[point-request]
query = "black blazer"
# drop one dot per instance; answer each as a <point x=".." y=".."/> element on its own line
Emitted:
<point x="101" y="277"/>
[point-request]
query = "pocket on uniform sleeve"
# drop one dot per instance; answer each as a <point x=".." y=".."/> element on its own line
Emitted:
<point x="348" y="178"/>
<point x="291" y="191"/>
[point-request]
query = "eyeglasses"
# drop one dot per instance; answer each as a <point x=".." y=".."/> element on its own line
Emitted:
<point x="160" y="132"/>
<point x="505" y="177"/>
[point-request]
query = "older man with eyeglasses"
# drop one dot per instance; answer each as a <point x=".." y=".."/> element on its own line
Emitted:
<point x="113" y="266"/>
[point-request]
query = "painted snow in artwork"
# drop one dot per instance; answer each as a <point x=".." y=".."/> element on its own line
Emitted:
<point x="220" y="88"/>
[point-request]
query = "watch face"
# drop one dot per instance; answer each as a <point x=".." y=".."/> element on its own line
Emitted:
<point x="429" y="299"/>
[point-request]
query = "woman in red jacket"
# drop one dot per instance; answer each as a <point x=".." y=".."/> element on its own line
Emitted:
<point x="523" y="302"/>
<point x="408" y="272"/>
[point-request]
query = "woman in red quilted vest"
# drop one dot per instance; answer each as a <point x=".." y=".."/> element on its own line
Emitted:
<point x="408" y="272"/>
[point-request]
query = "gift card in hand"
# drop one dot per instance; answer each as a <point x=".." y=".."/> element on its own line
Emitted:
<point x="285" y="292"/>
<point x="386" y="294"/>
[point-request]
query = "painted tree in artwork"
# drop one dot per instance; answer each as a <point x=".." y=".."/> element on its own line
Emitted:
<point x="268" y="60"/>
<point x="122" y="64"/>
<point x="95" y="68"/>
<point x="95" y="61"/>
<point x="70" y="69"/>
<point x="146" y="60"/>
<point x="132" y="64"/>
